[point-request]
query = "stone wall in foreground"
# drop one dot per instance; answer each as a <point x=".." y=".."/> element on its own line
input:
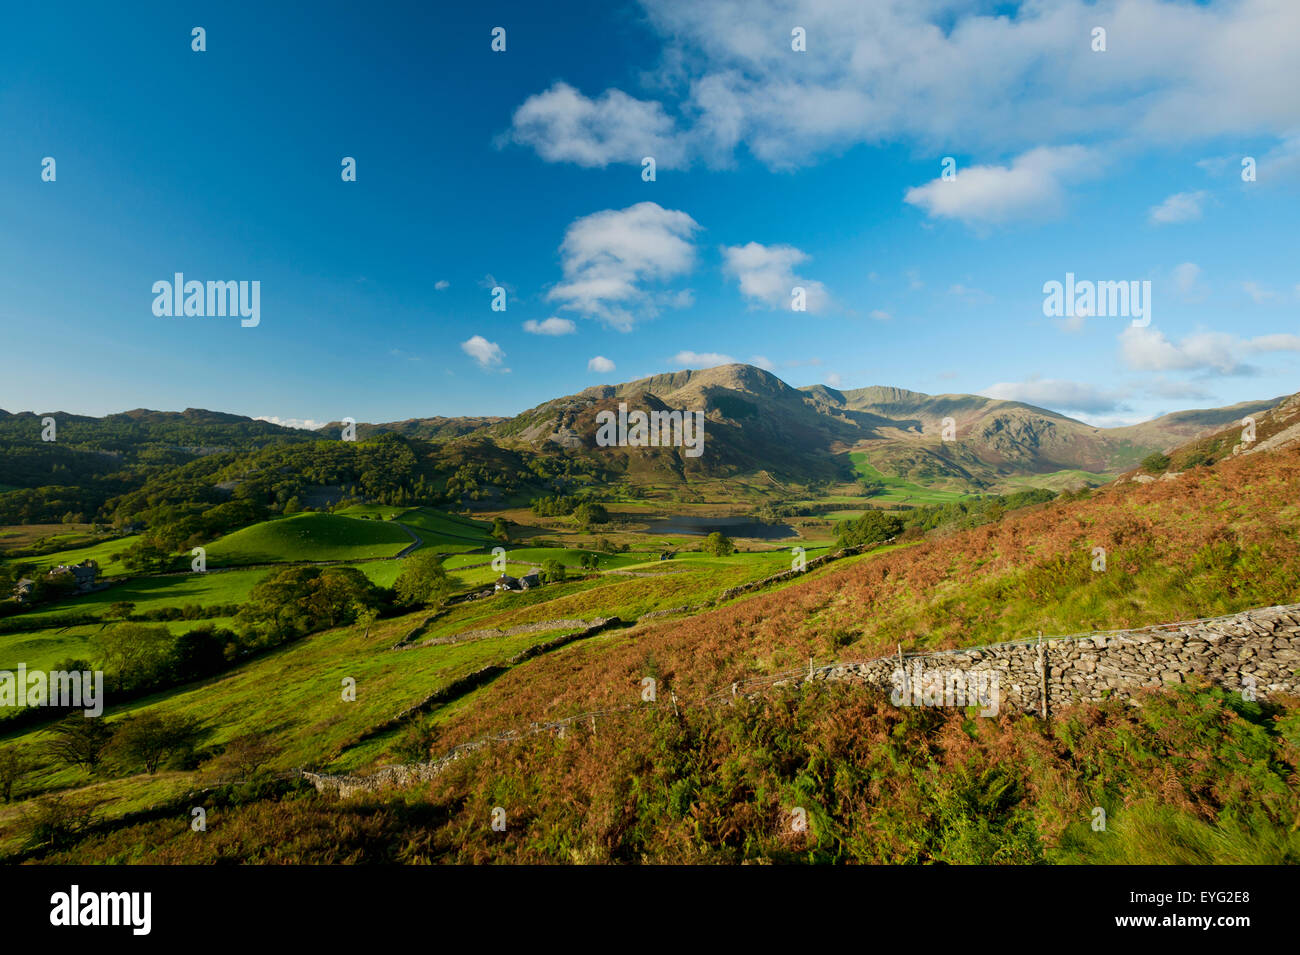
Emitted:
<point x="1256" y="651"/>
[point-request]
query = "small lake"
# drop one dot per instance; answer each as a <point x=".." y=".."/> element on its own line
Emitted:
<point x="731" y="526"/>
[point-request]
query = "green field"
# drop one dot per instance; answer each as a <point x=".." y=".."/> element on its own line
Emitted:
<point x="41" y="645"/>
<point x="308" y="537"/>
<point x="100" y="553"/>
<point x="445" y="532"/>
<point x="900" y="490"/>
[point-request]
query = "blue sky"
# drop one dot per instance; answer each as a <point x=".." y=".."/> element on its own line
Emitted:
<point x="819" y="168"/>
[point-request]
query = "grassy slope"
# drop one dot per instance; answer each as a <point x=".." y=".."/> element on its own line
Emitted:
<point x="1193" y="776"/>
<point x="900" y="490"/>
<point x="308" y="536"/>
<point x="1212" y="542"/>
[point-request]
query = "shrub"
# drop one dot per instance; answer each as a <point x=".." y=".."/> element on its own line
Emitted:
<point x="1155" y="463"/>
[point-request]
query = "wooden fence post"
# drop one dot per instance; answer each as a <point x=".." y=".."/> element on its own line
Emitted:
<point x="1042" y="675"/>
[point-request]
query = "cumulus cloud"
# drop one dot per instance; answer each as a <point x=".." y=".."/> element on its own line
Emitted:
<point x="1030" y="188"/>
<point x="989" y="76"/>
<point x="550" y="326"/>
<point x="691" y="359"/>
<point x="609" y="257"/>
<point x="306" y="424"/>
<point x="1180" y="207"/>
<point x="563" y="125"/>
<point x="1147" y="349"/>
<point x="489" y="355"/>
<point x="600" y="364"/>
<point x="766" y="275"/>
<point x="1058" y="394"/>
<point x="762" y="361"/>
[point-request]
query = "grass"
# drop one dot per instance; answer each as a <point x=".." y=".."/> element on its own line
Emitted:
<point x="308" y="536"/>
<point x="899" y="490"/>
<point x="295" y="693"/>
<point x="101" y="553"/>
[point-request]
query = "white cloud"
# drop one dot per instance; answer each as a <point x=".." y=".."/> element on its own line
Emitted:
<point x="1163" y="387"/>
<point x="441" y="284"/>
<point x="1071" y="323"/>
<point x="834" y="379"/>
<point x="1030" y="188"/>
<point x="880" y="315"/>
<point x="608" y="256"/>
<point x="1057" y="394"/>
<point x="1180" y="207"/>
<point x="563" y="125"/>
<point x="1258" y="294"/>
<point x="1272" y="343"/>
<point x="1147" y="349"/>
<point x="761" y="361"/>
<point x="691" y="359"/>
<point x="600" y="364"/>
<point x="931" y="72"/>
<point x="489" y="355"/>
<point x="766" y="275"/>
<point x="306" y="424"/>
<point x="1280" y="164"/>
<point x="550" y="326"/>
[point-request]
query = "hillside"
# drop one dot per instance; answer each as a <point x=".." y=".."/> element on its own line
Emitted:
<point x="1194" y="775"/>
<point x="755" y="420"/>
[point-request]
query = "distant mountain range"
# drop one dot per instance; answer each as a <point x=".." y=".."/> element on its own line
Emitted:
<point x="755" y="423"/>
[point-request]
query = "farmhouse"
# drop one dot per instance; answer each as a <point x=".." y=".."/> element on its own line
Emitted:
<point x="23" y="589"/>
<point x="527" y="582"/>
<point x="83" y="574"/>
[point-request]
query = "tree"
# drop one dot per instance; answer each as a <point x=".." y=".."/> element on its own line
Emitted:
<point x="871" y="528"/>
<point x="55" y="821"/>
<point x="589" y="512"/>
<point x="200" y="652"/>
<point x="245" y="755"/>
<point x="500" y="529"/>
<point x="299" y="600"/>
<point x="80" y="740"/>
<point x="423" y="581"/>
<point x="149" y="739"/>
<point x="145" y="555"/>
<point x="589" y="561"/>
<point x="552" y="570"/>
<point x="14" y="764"/>
<point x="121" y="609"/>
<point x="135" y="655"/>
<point x="719" y="545"/>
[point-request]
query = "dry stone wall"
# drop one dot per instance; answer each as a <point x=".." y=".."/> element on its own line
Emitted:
<point x="1257" y="652"/>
